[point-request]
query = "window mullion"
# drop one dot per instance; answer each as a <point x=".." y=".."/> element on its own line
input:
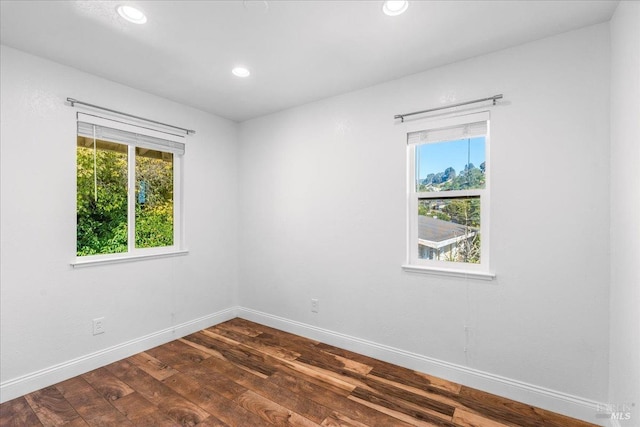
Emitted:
<point x="178" y="230"/>
<point x="412" y="212"/>
<point x="131" y="198"/>
<point x="452" y="194"/>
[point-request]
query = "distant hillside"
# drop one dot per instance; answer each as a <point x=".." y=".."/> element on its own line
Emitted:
<point x="470" y="177"/>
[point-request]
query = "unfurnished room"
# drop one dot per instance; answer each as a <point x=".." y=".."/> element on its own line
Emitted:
<point x="320" y="213"/>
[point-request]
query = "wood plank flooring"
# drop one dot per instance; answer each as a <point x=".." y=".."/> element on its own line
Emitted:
<point x="242" y="374"/>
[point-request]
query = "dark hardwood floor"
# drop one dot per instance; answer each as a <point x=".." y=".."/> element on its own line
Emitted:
<point x="244" y="374"/>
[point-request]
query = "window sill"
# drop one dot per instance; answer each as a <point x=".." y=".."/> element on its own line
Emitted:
<point x="84" y="262"/>
<point x="465" y="274"/>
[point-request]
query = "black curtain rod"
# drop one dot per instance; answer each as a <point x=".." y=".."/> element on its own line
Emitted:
<point x="75" y="101"/>
<point x="491" y="98"/>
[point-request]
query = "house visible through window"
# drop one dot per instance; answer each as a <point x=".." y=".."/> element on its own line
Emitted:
<point x="128" y="189"/>
<point x="448" y="194"/>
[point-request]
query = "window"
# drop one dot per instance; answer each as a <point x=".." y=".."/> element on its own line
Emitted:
<point x="127" y="190"/>
<point x="448" y="203"/>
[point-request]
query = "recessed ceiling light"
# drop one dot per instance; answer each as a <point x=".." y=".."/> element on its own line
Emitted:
<point x="132" y="14"/>
<point x="395" y="7"/>
<point x="241" y="72"/>
<point x="259" y="7"/>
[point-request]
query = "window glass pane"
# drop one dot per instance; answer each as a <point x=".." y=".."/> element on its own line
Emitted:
<point x="101" y="197"/>
<point x="449" y="229"/>
<point x="451" y="165"/>
<point x="154" y="198"/>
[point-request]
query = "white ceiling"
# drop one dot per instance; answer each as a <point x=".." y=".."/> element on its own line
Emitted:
<point x="298" y="51"/>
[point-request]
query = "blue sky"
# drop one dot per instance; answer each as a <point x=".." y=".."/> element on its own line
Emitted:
<point x="436" y="157"/>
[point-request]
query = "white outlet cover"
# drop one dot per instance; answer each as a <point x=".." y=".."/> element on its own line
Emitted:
<point x="98" y="326"/>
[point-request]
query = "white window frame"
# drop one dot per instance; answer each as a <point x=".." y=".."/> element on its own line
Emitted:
<point x="448" y="268"/>
<point x="133" y="253"/>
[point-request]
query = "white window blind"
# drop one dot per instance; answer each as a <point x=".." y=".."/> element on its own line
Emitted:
<point x="110" y="130"/>
<point x="468" y="130"/>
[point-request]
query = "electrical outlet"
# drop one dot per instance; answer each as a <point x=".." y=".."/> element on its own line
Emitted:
<point x="315" y="305"/>
<point x="98" y="326"/>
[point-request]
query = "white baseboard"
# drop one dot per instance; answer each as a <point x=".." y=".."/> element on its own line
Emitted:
<point x="563" y="403"/>
<point x="45" y="377"/>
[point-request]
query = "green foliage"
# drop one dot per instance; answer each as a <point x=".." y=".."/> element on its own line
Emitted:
<point x="154" y="226"/>
<point x="101" y="214"/>
<point x="425" y="210"/>
<point x="471" y="177"/>
<point x="102" y="221"/>
<point x="467" y="250"/>
<point x="470" y="250"/>
<point x="464" y="211"/>
<point x="154" y="217"/>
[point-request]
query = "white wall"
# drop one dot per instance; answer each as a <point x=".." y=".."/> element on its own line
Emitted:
<point x="320" y="213"/>
<point x="322" y="209"/>
<point x="47" y="306"/>
<point x="624" y="364"/>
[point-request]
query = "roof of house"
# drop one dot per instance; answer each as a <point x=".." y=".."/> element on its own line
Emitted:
<point x="437" y="230"/>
